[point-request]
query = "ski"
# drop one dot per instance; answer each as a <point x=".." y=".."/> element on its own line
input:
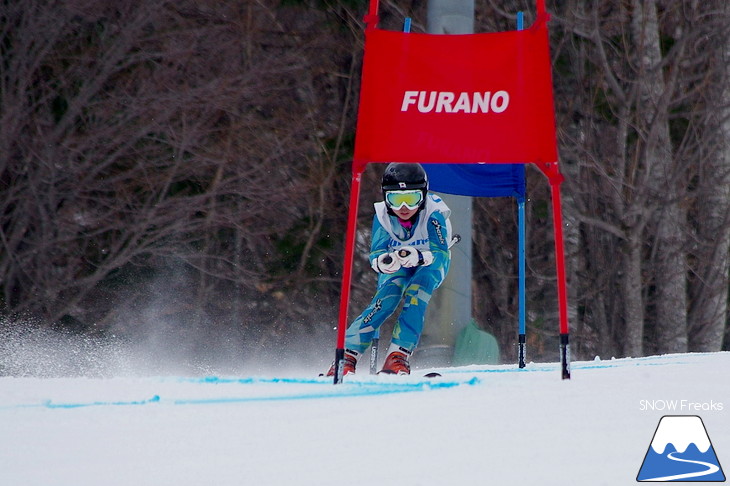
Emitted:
<point x="432" y="374"/>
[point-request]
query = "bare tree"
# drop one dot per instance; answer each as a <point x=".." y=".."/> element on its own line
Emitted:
<point x="664" y="176"/>
<point x="138" y="133"/>
<point x="637" y="134"/>
<point x="711" y="212"/>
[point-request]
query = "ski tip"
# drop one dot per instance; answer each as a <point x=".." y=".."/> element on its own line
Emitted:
<point x="433" y="374"/>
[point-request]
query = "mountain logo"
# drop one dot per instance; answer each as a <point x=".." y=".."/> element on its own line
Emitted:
<point x="681" y="451"/>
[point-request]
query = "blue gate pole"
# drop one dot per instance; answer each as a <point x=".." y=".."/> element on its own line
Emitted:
<point x="521" y="279"/>
<point x="521" y="339"/>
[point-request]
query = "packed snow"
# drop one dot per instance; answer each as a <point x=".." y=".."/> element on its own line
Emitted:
<point x="475" y="425"/>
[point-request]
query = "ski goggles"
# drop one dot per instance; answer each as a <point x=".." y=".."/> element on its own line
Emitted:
<point x="397" y="199"/>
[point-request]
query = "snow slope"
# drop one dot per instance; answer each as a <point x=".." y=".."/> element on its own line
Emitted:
<point x="476" y="425"/>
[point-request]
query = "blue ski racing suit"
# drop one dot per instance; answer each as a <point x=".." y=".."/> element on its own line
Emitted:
<point x="430" y="231"/>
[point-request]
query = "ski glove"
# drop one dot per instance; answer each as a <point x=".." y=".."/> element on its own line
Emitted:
<point x="413" y="257"/>
<point x="386" y="263"/>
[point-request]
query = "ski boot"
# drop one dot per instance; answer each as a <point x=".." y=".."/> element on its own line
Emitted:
<point x="397" y="362"/>
<point x="351" y="358"/>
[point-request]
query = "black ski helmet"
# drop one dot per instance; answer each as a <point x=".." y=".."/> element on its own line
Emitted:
<point x="401" y="176"/>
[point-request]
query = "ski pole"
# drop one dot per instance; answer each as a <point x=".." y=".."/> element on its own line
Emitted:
<point x="374" y="353"/>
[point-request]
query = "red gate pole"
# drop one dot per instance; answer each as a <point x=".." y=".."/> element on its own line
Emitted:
<point x="540" y="7"/>
<point x="357" y="170"/>
<point x="562" y="290"/>
<point x="371" y="18"/>
<point x="556" y="178"/>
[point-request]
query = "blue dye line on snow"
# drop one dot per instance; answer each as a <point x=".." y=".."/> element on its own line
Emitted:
<point x="52" y="405"/>
<point x="584" y="365"/>
<point x="346" y="390"/>
<point x="216" y="380"/>
<point x="367" y="390"/>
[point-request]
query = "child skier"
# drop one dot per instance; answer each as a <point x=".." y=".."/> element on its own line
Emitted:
<point x="410" y="251"/>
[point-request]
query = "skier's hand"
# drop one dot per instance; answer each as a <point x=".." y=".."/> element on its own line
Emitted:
<point x="413" y="257"/>
<point x="386" y="263"/>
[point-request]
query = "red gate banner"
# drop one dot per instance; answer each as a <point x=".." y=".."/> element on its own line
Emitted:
<point x="457" y="98"/>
